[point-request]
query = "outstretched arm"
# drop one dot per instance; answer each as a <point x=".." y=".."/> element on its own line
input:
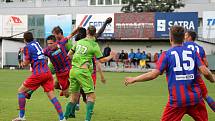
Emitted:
<point x="142" y="78"/>
<point x="207" y="73"/>
<point x="101" y="30"/>
<point x="73" y="33"/>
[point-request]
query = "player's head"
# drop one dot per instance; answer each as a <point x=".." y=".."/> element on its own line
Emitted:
<point x="28" y="37"/>
<point x="51" y="41"/>
<point x="190" y="36"/>
<point x="81" y="34"/>
<point x="138" y="50"/>
<point x="57" y="32"/>
<point x="176" y="35"/>
<point x="91" y="31"/>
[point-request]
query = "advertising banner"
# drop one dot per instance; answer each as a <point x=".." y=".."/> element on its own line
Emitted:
<point x="97" y="20"/>
<point x="133" y="25"/>
<point x="64" y="21"/>
<point x="14" y="24"/>
<point x="163" y="22"/>
<point x="209" y="24"/>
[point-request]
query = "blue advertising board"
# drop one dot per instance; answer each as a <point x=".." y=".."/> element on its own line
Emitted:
<point x="64" y="21"/>
<point x="163" y="22"/>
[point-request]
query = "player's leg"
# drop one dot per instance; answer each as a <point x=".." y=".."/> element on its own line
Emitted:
<point x="88" y="87"/>
<point x="204" y="90"/>
<point x="29" y="93"/>
<point x="63" y="80"/>
<point x="173" y="113"/>
<point x="74" y="88"/>
<point x="198" y="112"/>
<point x="31" y="83"/>
<point x="49" y="89"/>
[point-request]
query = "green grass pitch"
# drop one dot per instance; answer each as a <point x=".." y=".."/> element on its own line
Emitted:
<point x="115" y="102"/>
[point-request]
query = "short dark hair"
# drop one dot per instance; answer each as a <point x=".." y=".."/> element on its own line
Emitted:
<point x="57" y="30"/>
<point x="177" y="34"/>
<point x="192" y="34"/>
<point x="81" y="34"/>
<point x="28" y="36"/>
<point x="51" y="37"/>
<point x="92" y="30"/>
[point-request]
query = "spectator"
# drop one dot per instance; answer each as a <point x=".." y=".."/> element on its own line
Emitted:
<point x="143" y="56"/>
<point x="149" y="57"/>
<point x="156" y="57"/>
<point x="131" y="57"/>
<point x="20" y="57"/>
<point x="137" y="57"/>
<point x="159" y="54"/>
<point x="122" y="56"/>
<point x="106" y="53"/>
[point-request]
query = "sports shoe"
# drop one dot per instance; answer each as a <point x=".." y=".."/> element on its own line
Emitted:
<point x="64" y="119"/>
<point x="19" y="119"/>
<point x="77" y="107"/>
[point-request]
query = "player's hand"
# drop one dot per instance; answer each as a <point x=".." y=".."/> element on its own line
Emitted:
<point x="129" y="80"/>
<point x="108" y="20"/>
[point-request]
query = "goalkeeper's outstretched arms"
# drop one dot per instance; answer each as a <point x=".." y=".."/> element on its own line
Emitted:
<point x="142" y="78"/>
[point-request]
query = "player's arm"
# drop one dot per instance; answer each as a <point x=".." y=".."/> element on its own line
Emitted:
<point x="205" y="61"/>
<point x="101" y="30"/>
<point x="142" y="78"/>
<point x="26" y="59"/>
<point x="203" y="69"/>
<point x="207" y="73"/>
<point x="98" y="65"/>
<point x="73" y="33"/>
<point x="108" y="58"/>
<point x="161" y="66"/>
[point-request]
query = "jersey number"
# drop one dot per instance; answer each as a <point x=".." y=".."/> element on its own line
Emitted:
<point x="192" y="47"/>
<point x="39" y="49"/>
<point x="81" y="49"/>
<point x="184" y="58"/>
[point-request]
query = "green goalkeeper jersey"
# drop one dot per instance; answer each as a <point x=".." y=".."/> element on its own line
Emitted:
<point x="85" y="49"/>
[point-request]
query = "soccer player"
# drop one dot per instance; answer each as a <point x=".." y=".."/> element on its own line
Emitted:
<point x="190" y="37"/>
<point x="61" y="40"/>
<point x="61" y="62"/>
<point x="181" y="65"/>
<point x="80" y="74"/>
<point x="41" y="76"/>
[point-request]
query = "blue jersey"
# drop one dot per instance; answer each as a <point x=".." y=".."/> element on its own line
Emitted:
<point x="138" y="55"/>
<point x="196" y="47"/>
<point x="181" y="66"/>
<point x="131" y="55"/>
<point x="34" y="53"/>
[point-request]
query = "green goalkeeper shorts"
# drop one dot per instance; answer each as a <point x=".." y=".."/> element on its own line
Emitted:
<point x="81" y="78"/>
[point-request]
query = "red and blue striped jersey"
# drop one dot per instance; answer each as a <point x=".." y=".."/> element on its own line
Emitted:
<point x="181" y="66"/>
<point x="196" y="47"/>
<point x="34" y="53"/>
<point x="59" y="58"/>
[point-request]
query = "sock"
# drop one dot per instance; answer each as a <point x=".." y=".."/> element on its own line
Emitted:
<point x="22" y="101"/>
<point x="57" y="105"/>
<point x="90" y="107"/>
<point x="211" y="102"/>
<point x="70" y="110"/>
<point x="28" y="94"/>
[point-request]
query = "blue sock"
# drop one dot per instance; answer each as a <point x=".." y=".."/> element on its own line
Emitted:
<point x="211" y="102"/>
<point x="57" y="105"/>
<point x="22" y="101"/>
